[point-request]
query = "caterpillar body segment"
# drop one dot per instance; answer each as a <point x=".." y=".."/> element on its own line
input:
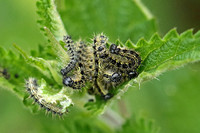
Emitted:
<point x="70" y="45"/>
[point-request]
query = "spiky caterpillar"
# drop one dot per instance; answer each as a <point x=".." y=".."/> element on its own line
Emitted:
<point x="98" y="46"/>
<point x="131" y="59"/>
<point x="120" y="59"/>
<point x="81" y="67"/>
<point x="57" y="103"/>
<point x="70" y="45"/>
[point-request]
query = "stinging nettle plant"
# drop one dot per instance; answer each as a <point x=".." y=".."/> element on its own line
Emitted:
<point x="127" y="23"/>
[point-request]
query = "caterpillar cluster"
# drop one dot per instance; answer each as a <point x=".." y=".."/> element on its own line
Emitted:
<point x="57" y="103"/>
<point x="103" y="66"/>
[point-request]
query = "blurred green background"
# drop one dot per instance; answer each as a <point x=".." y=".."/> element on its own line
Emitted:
<point x="172" y="100"/>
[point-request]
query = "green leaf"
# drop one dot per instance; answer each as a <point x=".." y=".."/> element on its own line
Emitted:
<point x="127" y="19"/>
<point x="49" y="17"/>
<point x="139" y="126"/>
<point x="39" y="63"/>
<point x="173" y="51"/>
<point x="4" y="84"/>
<point x="60" y="53"/>
<point x="17" y="69"/>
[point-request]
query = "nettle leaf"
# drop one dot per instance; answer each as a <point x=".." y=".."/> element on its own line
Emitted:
<point x="50" y="18"/>
<point x="57" y="48"/>
<point x="174" y="50"/>
<point x="118" y="19"/>
<point x="17" y="70"/>
<point x="39" y="63"/>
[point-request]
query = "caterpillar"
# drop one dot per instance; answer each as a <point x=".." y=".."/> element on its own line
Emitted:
<point x="98" y="47"/>
<point x="133" y="60"/>
<point x="103" y="66"/>
<point x="57" y="103"/>
<point x="82" y="67"/>
<point x="70" y="45"/>
<point x="129" y="54"/>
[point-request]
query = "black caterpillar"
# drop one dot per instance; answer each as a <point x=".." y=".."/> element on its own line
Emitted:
<point x="71" y="49"/>
<point x="104" y="67"/>
<point x="81" y="62"/>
